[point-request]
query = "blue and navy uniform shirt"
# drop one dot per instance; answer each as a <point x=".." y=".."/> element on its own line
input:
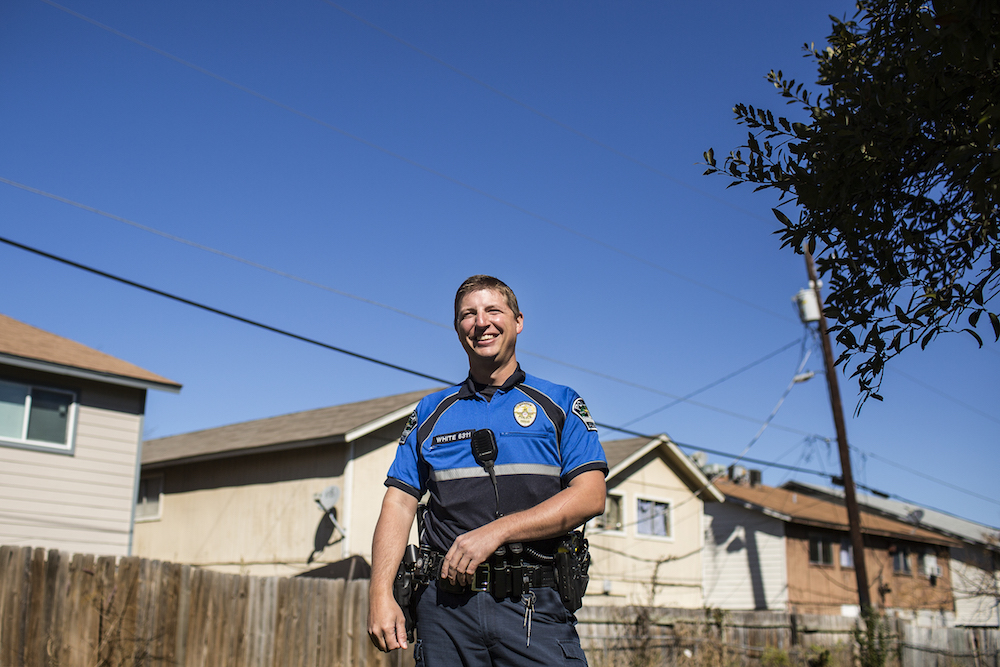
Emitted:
<point x="545" y="438"/>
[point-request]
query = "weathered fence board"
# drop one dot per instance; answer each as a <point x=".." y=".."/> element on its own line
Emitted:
<point x="80" y="612"/>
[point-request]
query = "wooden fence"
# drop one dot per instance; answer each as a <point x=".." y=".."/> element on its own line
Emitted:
<point x="643" y="636"/>
<point x="69" y="611"/>
<point x="58" y="610"/>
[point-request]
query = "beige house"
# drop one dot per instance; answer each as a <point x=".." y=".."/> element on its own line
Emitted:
<point x="70" y="439"/>
<point x="246" y="497"/>
<point x="243" y="498"/>
<point x="647" y="547"/>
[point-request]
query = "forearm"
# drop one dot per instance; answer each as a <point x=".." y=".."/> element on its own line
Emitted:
<point x="389" y="542"/>
<point x="583" y="499"/>
<point x="571" y="507"/>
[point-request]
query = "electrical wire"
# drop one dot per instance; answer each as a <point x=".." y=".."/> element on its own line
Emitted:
<point x="710" y="385"/>
<point x="312" y="283"/>
<point x="223" y="313"/>
<point x="404" y="369"/>
<point x="455" y="181"/>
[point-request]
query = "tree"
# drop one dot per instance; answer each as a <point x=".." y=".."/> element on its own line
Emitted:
<point x="895" y="175"/>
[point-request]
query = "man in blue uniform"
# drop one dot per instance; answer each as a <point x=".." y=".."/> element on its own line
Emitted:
<point x="483" y="521"/>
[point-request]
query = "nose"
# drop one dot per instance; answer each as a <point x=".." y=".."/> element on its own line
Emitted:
<point x="481" y="320"/>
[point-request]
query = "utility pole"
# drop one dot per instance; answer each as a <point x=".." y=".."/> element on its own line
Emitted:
<point x="853" y="514"/>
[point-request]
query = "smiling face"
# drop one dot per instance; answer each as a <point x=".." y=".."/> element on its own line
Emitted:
<point x="488" y="328"/>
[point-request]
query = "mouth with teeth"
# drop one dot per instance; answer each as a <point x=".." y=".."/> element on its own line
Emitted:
<point x="485" y="338"/>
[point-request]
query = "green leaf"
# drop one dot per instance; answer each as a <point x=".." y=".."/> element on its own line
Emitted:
<point x="974" y="335"/>
<point x="928" y="337"/>
<point x="782" y="218"/>
<point x="974" y="317"/>
<point x="710" y="156"/>
<point x="995" y="321"/>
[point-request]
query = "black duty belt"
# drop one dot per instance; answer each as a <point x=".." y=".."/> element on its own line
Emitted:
<point x="501" y="576"/>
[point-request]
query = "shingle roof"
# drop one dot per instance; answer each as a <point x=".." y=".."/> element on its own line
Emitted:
<point x="812" y="511"/>
<point x="620" y="454"/>
<point x="970" y="531"/>
<point x="299" y="429"/>
<point x="24" y="345"/>
<point x="617" y="451"/>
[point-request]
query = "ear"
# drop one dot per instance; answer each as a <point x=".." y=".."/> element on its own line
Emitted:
<point x="520" y="322"/>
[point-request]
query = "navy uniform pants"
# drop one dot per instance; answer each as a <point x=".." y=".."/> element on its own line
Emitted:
<point x="473" y="629"/>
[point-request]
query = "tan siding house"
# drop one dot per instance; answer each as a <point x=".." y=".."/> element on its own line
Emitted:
<point x="70" y="433"/>
<point x="647" y="547"/>
<point x="242" y="498"/>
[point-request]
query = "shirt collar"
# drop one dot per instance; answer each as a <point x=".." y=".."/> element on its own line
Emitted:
<point x="468" y="389"/>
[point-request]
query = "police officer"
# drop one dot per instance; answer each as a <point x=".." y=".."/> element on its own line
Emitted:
<point x="549" y="479"/>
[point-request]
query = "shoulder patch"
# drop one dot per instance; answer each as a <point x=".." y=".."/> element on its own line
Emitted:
<point x="581" y="411"/>
<point x="411" y="424"/>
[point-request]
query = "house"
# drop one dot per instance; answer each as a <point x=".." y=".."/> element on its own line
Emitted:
<point x="70" y="440"/>
<point x="252" y="497"/>
<point x="779" y="549"/>
<point x="647" y="546"/>
<point x="247" y="498"/>
<point x="974" y="565"/>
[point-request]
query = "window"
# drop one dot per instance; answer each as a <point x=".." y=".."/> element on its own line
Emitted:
<point x="901" y="560"/>
<point x="653" y="518"/>
<point x="846" y="553"/>
<point x="147" y="502"/>
<point x="36" y="416"/>
<point x="820" y="550"/>
<point x="612" y="517"/>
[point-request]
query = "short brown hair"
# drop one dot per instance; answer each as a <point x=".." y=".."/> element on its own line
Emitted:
<point x="481" y="282"/>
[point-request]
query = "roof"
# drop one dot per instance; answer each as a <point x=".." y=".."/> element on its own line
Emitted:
<point x="336" y="424"/>
<point x="963" y="529"/>
<point x="26" y="346"/>
<point x="623" y="453"/>
<point x="807" y="510"/>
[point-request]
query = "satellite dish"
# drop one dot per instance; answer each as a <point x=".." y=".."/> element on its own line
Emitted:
<point x="915" y="516"/>
<point x="328" y="497"/>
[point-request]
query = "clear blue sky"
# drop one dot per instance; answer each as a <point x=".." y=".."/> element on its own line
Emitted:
<point x="386" y="156"/>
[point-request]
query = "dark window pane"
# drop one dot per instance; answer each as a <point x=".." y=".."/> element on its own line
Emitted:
<point x="49" y="416"/>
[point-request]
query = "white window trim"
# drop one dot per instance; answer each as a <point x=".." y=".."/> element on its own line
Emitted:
<point x="670" y="518"/>
<point x="620" y="531"/>
<point x="40" y="445"/>
<point x="159" y="500"/>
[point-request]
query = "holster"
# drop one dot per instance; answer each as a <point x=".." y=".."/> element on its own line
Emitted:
<point x="572" y="567"/>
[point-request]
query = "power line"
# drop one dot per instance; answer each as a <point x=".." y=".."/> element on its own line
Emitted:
<point x="215" y="251"/>
<point x="418" y="165"/>
<point x="713" y="384"/>
<point x="926" y="476"/>
<point x="404" y="369"/>
<point x="217" y="311"/>
<point x="312" y="283"/>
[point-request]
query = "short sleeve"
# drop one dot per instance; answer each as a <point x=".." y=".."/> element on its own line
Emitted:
<point x="404" y="473"/>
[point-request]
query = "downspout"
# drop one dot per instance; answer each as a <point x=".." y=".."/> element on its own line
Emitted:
<point x="345" y="548"/>
<point x="135" y="482"/>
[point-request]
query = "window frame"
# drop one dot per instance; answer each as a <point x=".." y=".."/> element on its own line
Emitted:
<point x="597" y="523"/>
<point x="67" y="448"/>
<point x="140" y="500"/>
<point x="902" y="555"/>
<point x="846" y="553"/>
<point x="669" y="537"/>
<point x="825" y="542"/>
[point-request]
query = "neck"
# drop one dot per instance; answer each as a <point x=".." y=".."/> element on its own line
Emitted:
<point x="493" y="375"/>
